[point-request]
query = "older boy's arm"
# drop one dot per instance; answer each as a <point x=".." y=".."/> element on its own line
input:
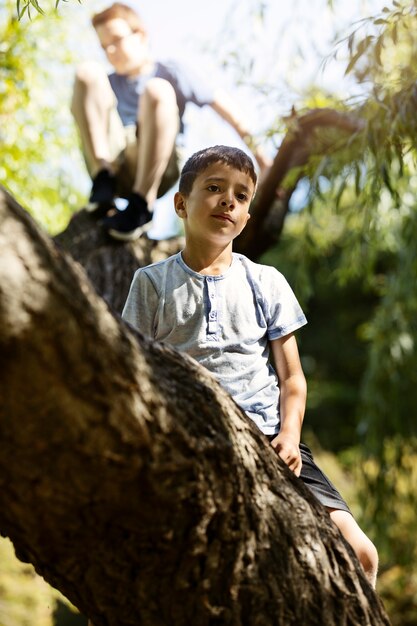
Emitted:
<point x="293" y="393"/>
<point x="225" y="106"/>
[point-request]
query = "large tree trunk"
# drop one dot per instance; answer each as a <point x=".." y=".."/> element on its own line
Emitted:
<point x="134" y="484"/>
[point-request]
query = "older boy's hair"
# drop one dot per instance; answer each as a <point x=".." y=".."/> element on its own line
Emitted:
<point x="123" y="11"/>
<point x="201" y="160"/>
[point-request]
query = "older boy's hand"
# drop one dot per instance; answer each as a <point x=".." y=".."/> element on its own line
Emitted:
<point x="287" y="448"/>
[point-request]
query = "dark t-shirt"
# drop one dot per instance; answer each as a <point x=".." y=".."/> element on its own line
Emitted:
<point x="187" y="86"/>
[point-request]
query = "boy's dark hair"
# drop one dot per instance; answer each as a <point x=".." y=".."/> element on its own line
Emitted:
<point x="119" y="10"/>
<point x="201" y="160"/>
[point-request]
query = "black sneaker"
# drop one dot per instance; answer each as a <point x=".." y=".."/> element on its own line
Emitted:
<point x="131" y="223"/>
<point x="102" y="193"/>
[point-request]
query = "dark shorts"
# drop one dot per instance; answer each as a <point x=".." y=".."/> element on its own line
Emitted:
<point x="317" y="482"/>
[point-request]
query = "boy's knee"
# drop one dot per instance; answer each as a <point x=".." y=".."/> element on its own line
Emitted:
<point x="368" y="556"/>
<point x="91" y="81"/>
<point x="89" y="72"/>
<point x="361" y="544"/>
<point x="159" y="90"/>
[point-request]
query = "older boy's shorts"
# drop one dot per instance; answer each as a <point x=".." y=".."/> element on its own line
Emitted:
<point x="125" y="150"/>
<point x="317" y="482"/>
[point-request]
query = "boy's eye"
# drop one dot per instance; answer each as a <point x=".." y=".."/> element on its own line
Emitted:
<point x="242" y="197"/>
<point x="213" y="188"/>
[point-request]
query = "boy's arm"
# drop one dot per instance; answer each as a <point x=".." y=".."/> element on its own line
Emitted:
<point x="293" y="393"/>
<point x="228" y="109"/>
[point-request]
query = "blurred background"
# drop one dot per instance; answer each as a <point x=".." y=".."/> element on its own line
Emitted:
<point x="348" y="247"/>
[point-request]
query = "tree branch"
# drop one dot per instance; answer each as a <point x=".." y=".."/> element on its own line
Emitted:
<point x="298" y="146"/>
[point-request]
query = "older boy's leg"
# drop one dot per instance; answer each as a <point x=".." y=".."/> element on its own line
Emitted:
<point x="92" y="103"/>
<point x="93" y="107"/>
<point x="361" y="544"/>
<point x="158" y="127"/>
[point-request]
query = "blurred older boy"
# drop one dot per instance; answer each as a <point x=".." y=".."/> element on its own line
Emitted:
<point x="129" y="121"/>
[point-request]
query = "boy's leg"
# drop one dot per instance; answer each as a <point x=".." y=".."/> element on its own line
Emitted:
<point x="361" y="544"/>
<point x="158" y="125"/>
<point x="93" y="103"/>
<point x="328" y="495"/>
<point x="101" y="131"/>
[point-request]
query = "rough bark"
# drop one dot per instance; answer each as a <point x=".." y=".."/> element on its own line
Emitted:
<point x="134" y="484"/>
<point x="110" y="264"/>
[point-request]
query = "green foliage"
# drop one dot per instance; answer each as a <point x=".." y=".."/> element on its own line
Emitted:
<point x="377" y="453"/>
<point x="352" y="253"/>
<point x="37" y="138"/>
<point x="313" y="255"/>
<point x="376" y="189"/>
<point x="392" y="524"/>
<point x="24" y="7"/>
<point x="362" y="214"/>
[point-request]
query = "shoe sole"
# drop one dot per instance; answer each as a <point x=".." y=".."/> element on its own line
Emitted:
<point x="130" y="235"/>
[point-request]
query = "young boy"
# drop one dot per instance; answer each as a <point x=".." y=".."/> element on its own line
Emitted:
<point x="228" y="313"/>
<point x="129" y="120"/>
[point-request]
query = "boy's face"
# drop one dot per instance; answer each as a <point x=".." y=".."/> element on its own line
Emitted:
<point x="216" y="209"/>
<point x="126" y="50"/>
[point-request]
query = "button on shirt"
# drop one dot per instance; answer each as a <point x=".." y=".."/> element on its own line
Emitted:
<point x="224" y="322"/>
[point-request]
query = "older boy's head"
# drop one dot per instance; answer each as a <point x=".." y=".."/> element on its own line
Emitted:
<point x="123" y="38"/>
<point x="201" y="160"/>
<point x="120" y="11"/>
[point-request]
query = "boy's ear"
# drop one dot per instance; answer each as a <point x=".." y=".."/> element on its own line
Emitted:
<point x="179" y="204"/>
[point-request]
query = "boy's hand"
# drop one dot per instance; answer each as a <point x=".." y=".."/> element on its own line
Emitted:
<point x="287" y="448"/>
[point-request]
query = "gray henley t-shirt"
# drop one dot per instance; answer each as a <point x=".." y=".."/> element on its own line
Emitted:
<point x="224" y="322"/>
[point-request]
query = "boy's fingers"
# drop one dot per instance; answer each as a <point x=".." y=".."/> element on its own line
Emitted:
<point x="297" y="467"/>
<point x="291" y="457"/>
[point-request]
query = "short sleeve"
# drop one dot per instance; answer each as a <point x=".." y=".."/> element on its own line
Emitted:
<point x="188" y="84"/>
<point x="141" y="306"/>
<point x="197" y="90"/>
<point x="282" y="310"/>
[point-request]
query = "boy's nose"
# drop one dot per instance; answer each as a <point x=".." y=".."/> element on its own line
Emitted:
<point x="228" y="201"/>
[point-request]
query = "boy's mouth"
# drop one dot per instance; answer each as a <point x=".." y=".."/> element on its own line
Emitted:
<point x="224" y="216"/>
